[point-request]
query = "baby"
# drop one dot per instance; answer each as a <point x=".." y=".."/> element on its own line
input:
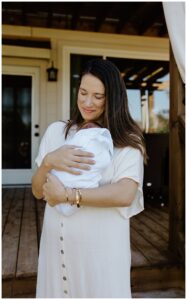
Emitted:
<point x="91" y="137"/>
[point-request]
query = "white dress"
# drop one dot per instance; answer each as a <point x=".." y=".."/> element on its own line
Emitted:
<point x="87" y="255"/>
<point x="99" y="142"/>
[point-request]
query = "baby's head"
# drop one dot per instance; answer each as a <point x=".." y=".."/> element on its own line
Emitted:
<point x="87" y="125"/>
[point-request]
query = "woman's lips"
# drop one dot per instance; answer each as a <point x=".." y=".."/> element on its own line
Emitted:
<point x="88" y="111"/>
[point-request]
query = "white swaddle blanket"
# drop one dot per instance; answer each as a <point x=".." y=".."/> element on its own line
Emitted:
<point x="99" y="142"/>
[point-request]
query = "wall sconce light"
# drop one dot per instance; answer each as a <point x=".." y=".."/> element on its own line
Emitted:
<point x="52" y="73"/>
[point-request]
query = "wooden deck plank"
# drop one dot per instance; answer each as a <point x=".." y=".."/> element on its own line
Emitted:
<point x="7" y="288"/>
<point x="159" y="293"/>
<point x="137" y="258"/>
<point x="153" y="255"/>
<point x="7" y="201"/>
<point x="163" y="211"/>
<point x="158" y="217"/>
<point x="28" y="247"/>
<point x="157" y="277"/>
<point x="155" y="226"/>
<point x="10" y="240"/>
<point x="3" y="192"/>
<point x="24" y="287"/>
<point x="152" y="237"/>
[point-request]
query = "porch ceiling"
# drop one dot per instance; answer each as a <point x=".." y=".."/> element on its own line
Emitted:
<point x="134" y="18"/>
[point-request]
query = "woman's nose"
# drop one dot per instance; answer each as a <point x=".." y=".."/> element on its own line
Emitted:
<point x="88" y="101"/>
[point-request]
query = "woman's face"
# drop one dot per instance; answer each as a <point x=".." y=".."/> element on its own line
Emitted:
<point x="91" y="98"/>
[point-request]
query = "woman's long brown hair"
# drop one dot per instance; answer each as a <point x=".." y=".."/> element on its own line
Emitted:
<point x="124" y="130"/>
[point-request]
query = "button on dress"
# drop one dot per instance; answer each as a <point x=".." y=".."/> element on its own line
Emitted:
<point x="87" y="254"/>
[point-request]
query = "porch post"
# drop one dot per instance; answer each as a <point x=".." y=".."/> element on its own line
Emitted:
<point x="176" y="163"/>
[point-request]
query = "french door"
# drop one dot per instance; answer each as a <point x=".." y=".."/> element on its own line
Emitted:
<point x="20" y="123"/>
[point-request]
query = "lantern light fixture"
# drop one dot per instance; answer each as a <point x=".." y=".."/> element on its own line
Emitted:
<point x="52" y="73"/>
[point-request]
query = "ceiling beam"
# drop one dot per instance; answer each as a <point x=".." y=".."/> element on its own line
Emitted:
<point x="154" y="13"/>
<point x="49" y="19"/>
<point x="146" y="15"/>
<point x="76" y="13"/>
<point x="131" y="17"/>
<point x="101" y="15"/>
<point x="24" y="20"/>
<point x="125" y="13"/>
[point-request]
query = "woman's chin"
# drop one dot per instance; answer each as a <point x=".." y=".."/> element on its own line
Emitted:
<point x="88" y="118"/>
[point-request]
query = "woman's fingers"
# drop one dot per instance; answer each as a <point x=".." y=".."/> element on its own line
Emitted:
<point x="72" y="171"/>
<point x="71" y="159"/>
<point x="76" y="168"/>
<point x="80" y="163"/>
<point x="84" y="160"/>
<point x="53" y="190"/>
<point x="79" y="152"/>
<point x="83" y="157"/>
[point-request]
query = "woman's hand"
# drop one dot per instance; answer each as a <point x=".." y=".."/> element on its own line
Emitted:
<point x="68" y="157"/>
<point x="53" y="190"/>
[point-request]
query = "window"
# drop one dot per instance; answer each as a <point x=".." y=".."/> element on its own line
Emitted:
<point x="147" y="84"/>
<point x="16" y="121"/>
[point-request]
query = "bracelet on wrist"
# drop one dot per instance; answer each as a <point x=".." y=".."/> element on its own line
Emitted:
<point x="78" y="197"/>
<point x="70" y="196"/>
<point x="66" y="195"/>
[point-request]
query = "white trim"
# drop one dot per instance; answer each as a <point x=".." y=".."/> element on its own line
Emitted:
<point x="141" y="53"/>
<point x="25" y="52"/>
<point x="24" y="176"/>
<point x="131" y="46"/>
<point x="96" y="38"/>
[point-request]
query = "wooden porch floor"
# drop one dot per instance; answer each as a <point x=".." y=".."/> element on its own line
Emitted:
<point x="152" y="265"/>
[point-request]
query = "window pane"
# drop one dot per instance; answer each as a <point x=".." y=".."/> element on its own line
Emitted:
<point x="135" y="105"/>
<point x="159" y="107"/>
<point x="16" y="123"/>
<point x="147" y="84"/>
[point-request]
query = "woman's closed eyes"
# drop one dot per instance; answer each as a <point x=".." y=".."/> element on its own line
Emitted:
<point x="96" y="96"/>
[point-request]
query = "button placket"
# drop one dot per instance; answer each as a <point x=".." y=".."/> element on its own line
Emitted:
<point x="64" y="275"/>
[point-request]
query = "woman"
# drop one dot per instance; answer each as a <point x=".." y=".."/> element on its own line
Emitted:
<point x="87" y="255"/>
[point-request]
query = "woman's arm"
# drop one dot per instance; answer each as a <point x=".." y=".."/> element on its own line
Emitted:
<point x="39" y="179"/>
<point x="119" y="194"/>
<point x="66" y="158"/>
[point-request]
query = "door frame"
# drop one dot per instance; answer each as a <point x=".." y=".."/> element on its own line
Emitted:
<point x="23" y="176"/>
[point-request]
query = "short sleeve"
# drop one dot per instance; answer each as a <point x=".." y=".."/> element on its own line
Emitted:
<point x="129" y="164"/>
<point x="51" y="140"/>
<point x="42" y="148"/>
